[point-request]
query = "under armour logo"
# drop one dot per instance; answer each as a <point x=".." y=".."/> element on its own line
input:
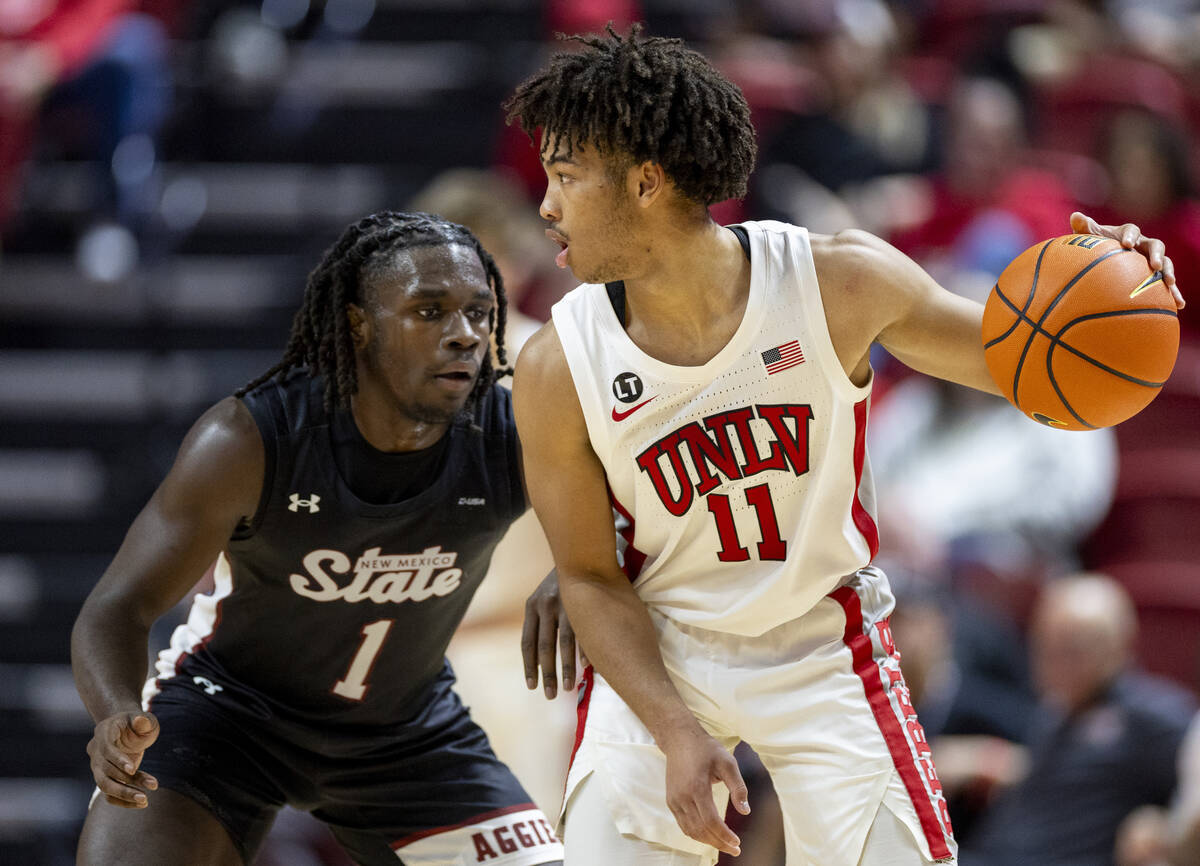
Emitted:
<point x="208" y="685"/>
<point x="310" y="503"/>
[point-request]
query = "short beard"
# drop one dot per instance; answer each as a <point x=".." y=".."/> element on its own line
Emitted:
<point x="619" y="230"/>
<point x="423" y="414"/>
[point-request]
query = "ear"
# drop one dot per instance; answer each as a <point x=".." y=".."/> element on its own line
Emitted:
<point x="360" y="325"/>
<point x="648" y="181"/>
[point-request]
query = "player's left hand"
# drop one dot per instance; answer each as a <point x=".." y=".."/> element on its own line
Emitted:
<point x="1131" y="238"/>
<point x="546" y="633"/>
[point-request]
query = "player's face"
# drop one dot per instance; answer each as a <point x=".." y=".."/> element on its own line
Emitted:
<point x="591" y="216"/>
<point x="427" y="318"/>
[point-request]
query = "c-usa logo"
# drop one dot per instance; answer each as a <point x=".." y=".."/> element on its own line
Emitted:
<point x="311" y="503"/>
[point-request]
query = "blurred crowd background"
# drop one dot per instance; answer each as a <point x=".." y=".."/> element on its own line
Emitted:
<point x="171" y="169"/>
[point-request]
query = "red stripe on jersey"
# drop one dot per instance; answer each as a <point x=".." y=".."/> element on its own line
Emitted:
<point x="581" y="711"/>
<point x="897" y="742"/>
<point x="862" y="518"/>
<point x="633" y="559"/>
<point x="475" y="819"/>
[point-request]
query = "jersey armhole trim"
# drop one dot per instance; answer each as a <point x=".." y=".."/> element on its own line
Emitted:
<point x="266" y="425"/>
<point x="814" y="307"/>
<point x="574" y="351"/>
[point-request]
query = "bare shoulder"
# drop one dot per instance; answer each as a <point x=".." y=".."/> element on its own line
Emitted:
<point x="544" y="396"/>
<point x="854" y="260"/>
<point x="226" y="430"/>
<point x="544" y="346"/>
<point x="864" y="277"/>
<point x="222" y="457"/>
<point x="542" y="364"/>
<point x="861" y="279"/>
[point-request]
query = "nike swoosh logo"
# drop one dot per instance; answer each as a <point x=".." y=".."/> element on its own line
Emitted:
<point x="1147" y="283"/>
<point x="621" y="416"/>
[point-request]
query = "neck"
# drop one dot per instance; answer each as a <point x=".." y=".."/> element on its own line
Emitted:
<point x="388" y="428"/>
<point x="694" y="272"/>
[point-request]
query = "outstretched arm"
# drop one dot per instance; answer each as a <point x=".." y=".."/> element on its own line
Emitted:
<point x="215" y="482"/>
<point x="567" y="486"/>
<point x="873" y="293"/>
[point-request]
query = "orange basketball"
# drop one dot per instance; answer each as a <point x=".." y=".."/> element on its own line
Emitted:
<point x="1079" y="333"/>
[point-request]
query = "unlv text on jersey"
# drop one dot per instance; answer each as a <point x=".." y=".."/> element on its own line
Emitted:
<point x="712" y="447"/>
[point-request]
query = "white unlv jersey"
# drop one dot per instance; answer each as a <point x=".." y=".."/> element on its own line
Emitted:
<point x="740" y="488"/>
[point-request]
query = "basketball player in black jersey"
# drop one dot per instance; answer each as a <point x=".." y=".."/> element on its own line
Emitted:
<point x="351" y="497"/>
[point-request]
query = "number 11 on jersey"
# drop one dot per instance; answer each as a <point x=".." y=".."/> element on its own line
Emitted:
<point x="354" y="684"/>
<point x="770" y="547"/>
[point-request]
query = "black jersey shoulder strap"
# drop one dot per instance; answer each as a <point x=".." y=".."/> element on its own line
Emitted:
<point x="616" y="290"/>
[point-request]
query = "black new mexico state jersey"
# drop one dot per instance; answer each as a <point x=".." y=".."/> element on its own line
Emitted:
<point x="332" y="609"/>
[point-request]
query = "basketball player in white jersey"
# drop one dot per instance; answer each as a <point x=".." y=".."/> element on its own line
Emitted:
<point x="708" y="389"/>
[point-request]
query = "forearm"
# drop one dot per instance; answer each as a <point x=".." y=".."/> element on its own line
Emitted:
<point x="614" y="629"/>
<point x="108" y="658"/>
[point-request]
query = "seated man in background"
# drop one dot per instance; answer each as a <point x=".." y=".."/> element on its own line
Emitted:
<point x="1104" y="741"/>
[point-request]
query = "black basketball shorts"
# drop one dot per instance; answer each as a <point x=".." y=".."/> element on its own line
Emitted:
<point x="428" y="793"/>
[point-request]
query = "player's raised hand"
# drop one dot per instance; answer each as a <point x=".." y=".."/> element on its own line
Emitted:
<point x="547" y="633"/>
<point x="116" y="750"/>
<point x="695" y="761"/>
<point x="1131" y="238"/>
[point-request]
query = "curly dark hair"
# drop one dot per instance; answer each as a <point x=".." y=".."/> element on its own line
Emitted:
<point x="321" y="334"/>
<point x="651" y="98"/>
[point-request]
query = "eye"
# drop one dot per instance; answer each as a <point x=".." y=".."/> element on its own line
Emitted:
<point x="562" y="178"/>
<point x="429" y="313"/>
<point x="478" y="313"/>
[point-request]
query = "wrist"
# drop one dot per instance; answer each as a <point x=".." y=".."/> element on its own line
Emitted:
<point x="681" y="729"/>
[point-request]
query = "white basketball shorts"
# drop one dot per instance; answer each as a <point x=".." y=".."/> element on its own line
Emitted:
<point x="821" y="700"/>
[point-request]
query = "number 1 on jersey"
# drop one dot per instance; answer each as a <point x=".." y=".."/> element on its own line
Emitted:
<point x="771" y="547"/>
<point x="354" y="684"/>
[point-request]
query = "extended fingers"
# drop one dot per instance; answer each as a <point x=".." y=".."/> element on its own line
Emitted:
<point x="566" y="651"/>
<point x="547" y="649"/>
<point x="1084" y="225"/>
<point x="121" y="788"/>
<point x="697" y="817"/>
<point x="529" y="633"/>
<point x="1168" y="269"/>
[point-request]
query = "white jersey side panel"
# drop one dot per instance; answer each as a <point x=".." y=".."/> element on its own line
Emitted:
<point x="741" y="490"/>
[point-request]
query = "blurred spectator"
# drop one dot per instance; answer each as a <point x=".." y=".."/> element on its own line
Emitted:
<point x="965" y="666"/>
<point x="514" y="153"/>
<point x="104" y="65"/>
<point x="968" y="678"/>
<point x="1151" y="184"/>
<point x="1153" y="836"/>
<point x="1105" y="737"/>
<point x="965" y="480"/>
<point x="862" y="121"/>
<point x="493" y="206"/>
<point x="987" y="205"/>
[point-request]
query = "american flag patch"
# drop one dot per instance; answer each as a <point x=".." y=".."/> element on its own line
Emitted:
<point x="782" y="357"/>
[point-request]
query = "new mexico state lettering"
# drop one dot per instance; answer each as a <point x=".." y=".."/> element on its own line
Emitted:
<point x="710" y="451"/>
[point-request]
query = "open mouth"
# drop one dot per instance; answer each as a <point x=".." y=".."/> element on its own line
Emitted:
<point x="456" y="381"/>
<point x="561" y="258"/>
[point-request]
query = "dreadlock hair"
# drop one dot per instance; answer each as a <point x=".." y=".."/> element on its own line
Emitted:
<point x="321" y="335"/>
<point x="648" y="97"/>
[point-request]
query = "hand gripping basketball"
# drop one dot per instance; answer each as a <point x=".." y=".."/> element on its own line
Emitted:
<point x="1081" y="331"/>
